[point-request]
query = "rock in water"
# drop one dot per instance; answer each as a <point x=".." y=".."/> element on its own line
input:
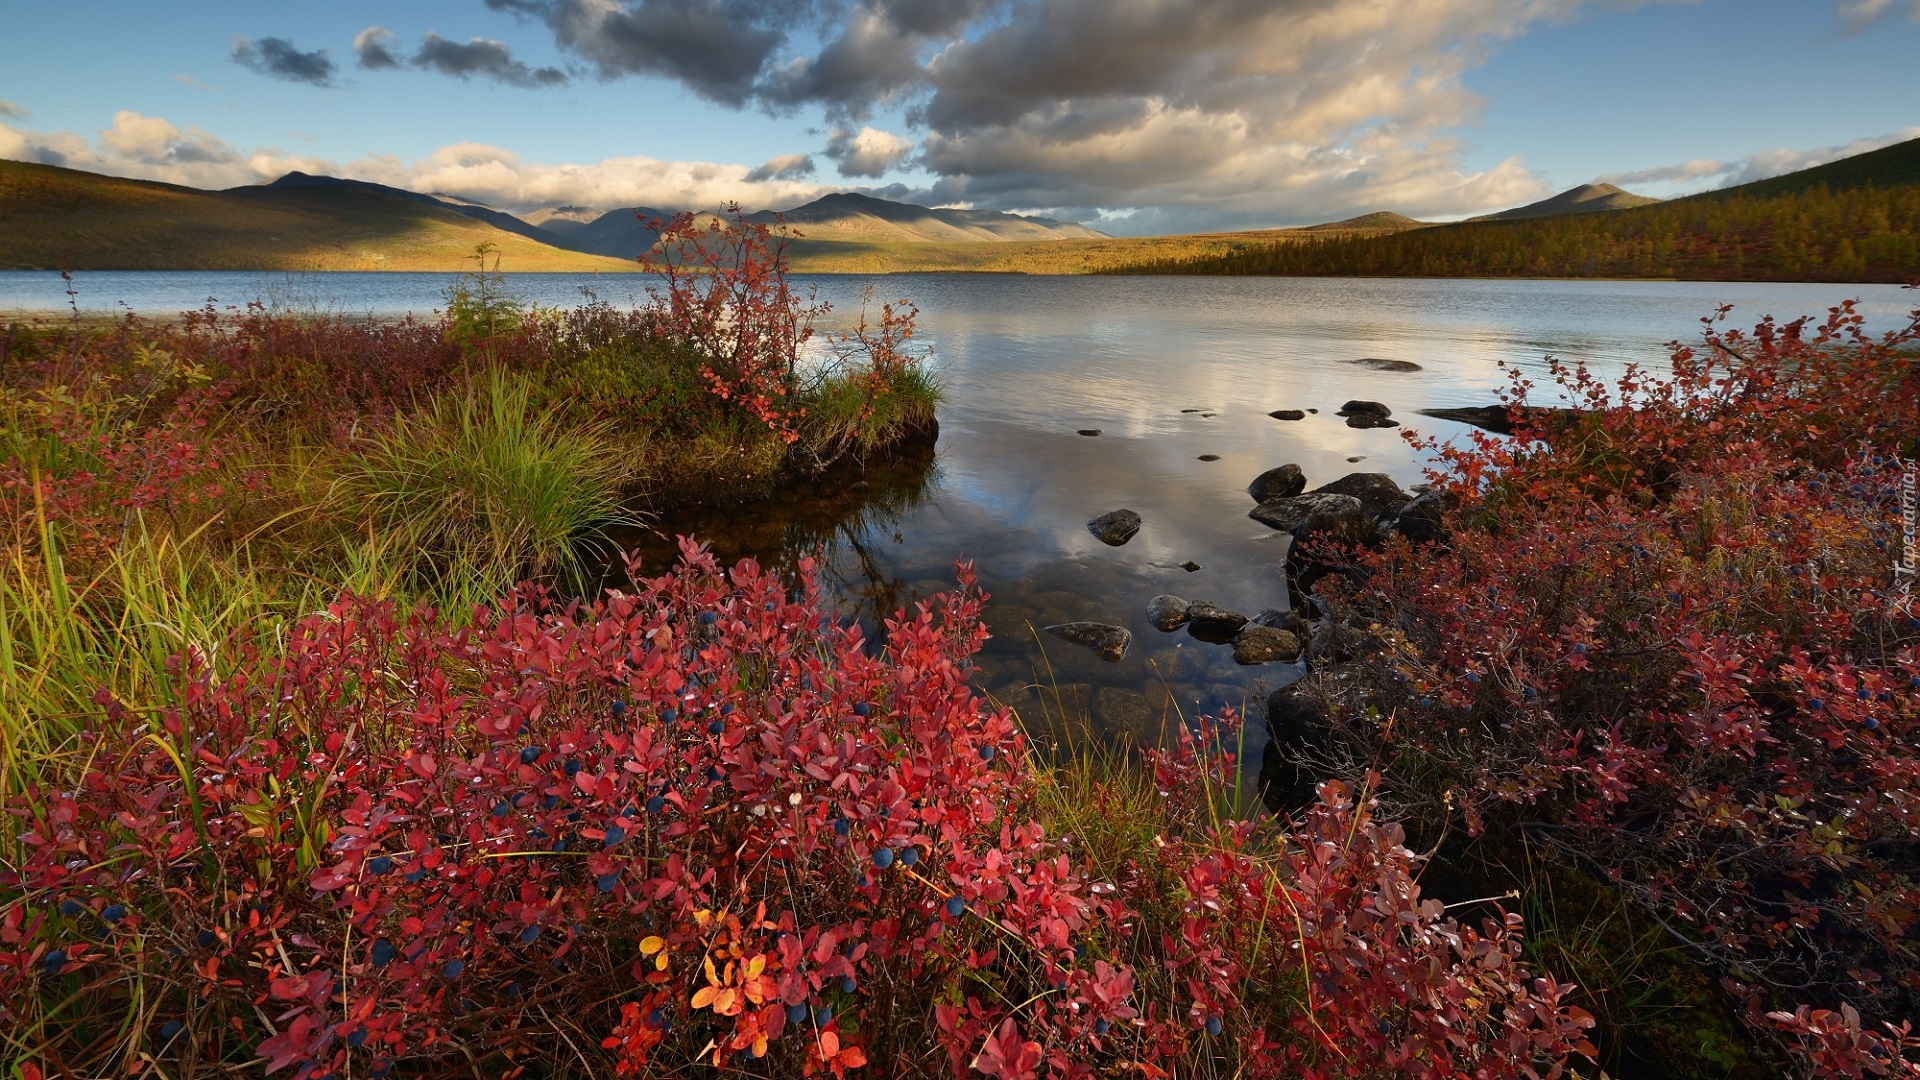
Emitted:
<point x="1378" y="364"/>
<point x="1167" y="612"/>
<point x="1209" y="621"/>
<point x="1287" y="414"/>
<point x="1089" y="432"/>
<point x="1361" y="405"/>
<point x="1379" y="496"/>
<point x="1422" y="520"/>
<point x="1115" y="528"/>
<point x="1110" y="642"/>
<point x="1290" y="621"/>
<point x="1282" y="483"/>
<point x="1265" y="645"/>
<point x="1338" y="519"/>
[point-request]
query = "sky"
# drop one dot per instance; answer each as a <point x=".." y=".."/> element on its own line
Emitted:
<point x="1134" y="116"/>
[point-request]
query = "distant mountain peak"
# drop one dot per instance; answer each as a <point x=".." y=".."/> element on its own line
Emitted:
<point x="1584" y="199"/>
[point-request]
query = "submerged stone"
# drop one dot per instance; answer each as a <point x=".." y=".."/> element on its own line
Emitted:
<point x="1167" y="612"/>
<point x="1109" y="641"/>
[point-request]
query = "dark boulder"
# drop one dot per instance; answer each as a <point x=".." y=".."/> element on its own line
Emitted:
<point x="1287" y="414"/>
<point x="1209" y="621"/>
<point x="1296" y="717"/>
<point x="1370" y="420"/>
<point x="1115" y="528"/>
<point x="1377" y="364"/>
<point x="1167" y="612"/>
<point x="1089" y="432"/>
<point x="1321" y="517"/>
<point x="1338" y="642"/>
<point x="1274" y="618"/>
<point x="1282" y="483"/>
<point x="1110" y="642"/>
<point x="1499" y="419"/>
<point x="1423" y="520"/>
<point x="1360" y="405"/>
<point x="1265" y="645"/>
<point x="1379" y="496"/>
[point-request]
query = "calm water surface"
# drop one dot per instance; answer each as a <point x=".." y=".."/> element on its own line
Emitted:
<point x="1168" y="369"/>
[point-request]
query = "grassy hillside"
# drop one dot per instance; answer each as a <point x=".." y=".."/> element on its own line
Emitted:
<point x="108" y="223"/>
<point x="1062" y="256"/>
<point x="1850" y="221"/>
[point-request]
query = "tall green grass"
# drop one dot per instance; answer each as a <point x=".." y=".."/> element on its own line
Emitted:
<point x="484" y="488"/>
<point x="66" y="638"/>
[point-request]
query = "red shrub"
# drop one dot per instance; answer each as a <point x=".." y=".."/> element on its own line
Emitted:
<point x="704" y="807"/>
<point x="1661" y="642"/>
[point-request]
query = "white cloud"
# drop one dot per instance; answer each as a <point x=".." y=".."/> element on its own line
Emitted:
<point x="1704" y="174"/>
<point x="1856" y="14"/>
<point x="868" y="152"/>
<point x="152" y="148"/>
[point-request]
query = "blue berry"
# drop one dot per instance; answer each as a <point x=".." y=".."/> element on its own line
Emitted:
<point x="416" y="875"/>
<point x="842" y="826"/>
<point x="113" y="913"/>
<point x="530" y="935"/>
<point x="727" y="709"/>
<point x="956" y="907"/>
<point x="619" y="708"/>
<point x="571" y="768"/>
<point x="796" y="1014"/>
<point x="714" y="774"/>
<point x="206" y="939"/>
<point x="170" y="1029"/>
<point x="847" y="985"/>
<point x="454" y="967"/>
<point x="500" y="809"/>
<point x="54" y="961"/>
<point x="1816" y="704"/>
<point x="615" y="835"/>
<point x="986" y="753"/>
<point x="1870" y="724"/>
<point x="529" y="755"/>
<point x="550" y="802"/>
<point x="657" y="1019"/>
<point x="910" y="855"/>
<point x="357" y="1038"/>
<point x="383" y="953"/>
<point x="71" y="909"/>
<point x="716" y="727"/>
<point x="379" y="864"/>
<point x="708" y="618"/>
<point x="1100" y="1027"/>
<point x="883" y="858"/>
<point x="656" y="804"/>
<point x="1213" y="1025"/>
<point x="862" y="709"/>
<point x="823" y="1015"/>
<point x="669" y="716"/>
<point x="606" y="882"/>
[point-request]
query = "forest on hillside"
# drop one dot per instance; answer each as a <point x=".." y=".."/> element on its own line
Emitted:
<point x="1867" y="233"/>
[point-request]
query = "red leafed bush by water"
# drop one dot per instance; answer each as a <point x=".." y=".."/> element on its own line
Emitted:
<point x="1663" y="644"/>
<point x="698" y="822"/>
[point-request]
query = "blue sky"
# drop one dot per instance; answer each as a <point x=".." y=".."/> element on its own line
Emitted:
<point x="1135" y="115"/>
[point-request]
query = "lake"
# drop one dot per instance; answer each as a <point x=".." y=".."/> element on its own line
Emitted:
<point x="1168" y="370"/>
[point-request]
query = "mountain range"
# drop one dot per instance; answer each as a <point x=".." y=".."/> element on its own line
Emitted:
<point x="50" y="216"/>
